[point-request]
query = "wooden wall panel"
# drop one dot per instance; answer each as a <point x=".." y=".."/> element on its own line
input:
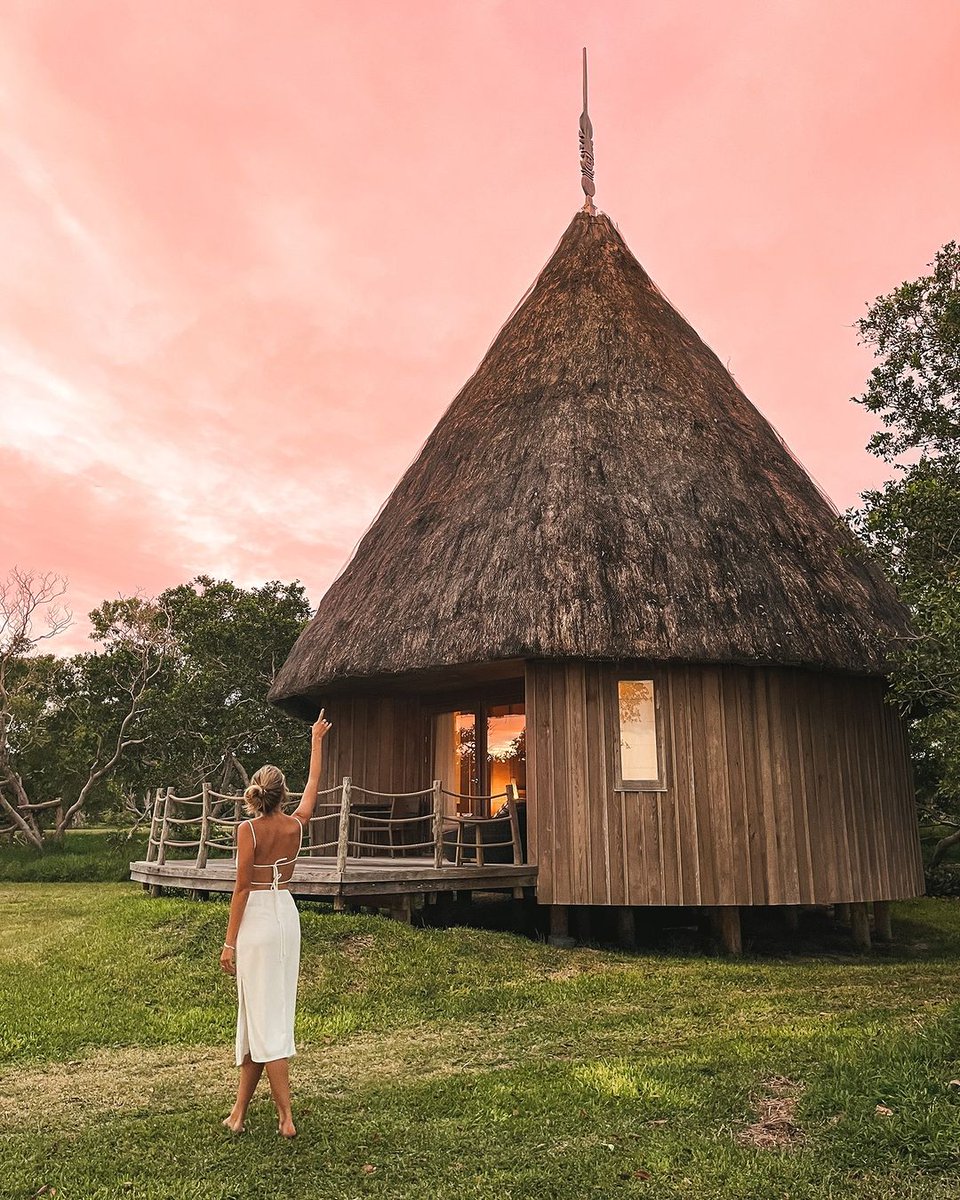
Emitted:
<point x="378" y="741"/>
<point x="783" y="786"/>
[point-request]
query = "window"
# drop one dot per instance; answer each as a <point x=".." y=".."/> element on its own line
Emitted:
<point x="455" y="754"/>
<point x="641" y="757"/>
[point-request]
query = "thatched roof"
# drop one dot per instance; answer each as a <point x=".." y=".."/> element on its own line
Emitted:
<point x="600" y="488"/>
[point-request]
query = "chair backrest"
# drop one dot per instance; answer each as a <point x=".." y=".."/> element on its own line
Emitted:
<point x="408" y="806"/>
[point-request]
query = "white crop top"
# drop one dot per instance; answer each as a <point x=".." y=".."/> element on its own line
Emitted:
<point x="275" y="883"/>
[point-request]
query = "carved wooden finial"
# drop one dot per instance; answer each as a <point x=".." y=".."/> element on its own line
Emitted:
<point x="586" y="148"/>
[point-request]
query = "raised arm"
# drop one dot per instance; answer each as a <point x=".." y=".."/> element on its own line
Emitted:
<point x="318" y="731"/>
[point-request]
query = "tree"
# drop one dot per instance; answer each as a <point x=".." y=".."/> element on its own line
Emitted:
<point x="208" y="719"/>
<point x="66" y="724"/>
<point x="174" y="693"/>
<point x="912" y="523"/>
<point x="25" y="599"/>
<point x="915" y="389"/>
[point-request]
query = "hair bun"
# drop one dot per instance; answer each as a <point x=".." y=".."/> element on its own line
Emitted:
<point x="267" y="789"/>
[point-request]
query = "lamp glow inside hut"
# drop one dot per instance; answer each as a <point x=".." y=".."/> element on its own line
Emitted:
<point x="648" y="618"/>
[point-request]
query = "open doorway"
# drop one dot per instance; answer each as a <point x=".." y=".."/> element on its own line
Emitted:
<point x="479" y="746"/>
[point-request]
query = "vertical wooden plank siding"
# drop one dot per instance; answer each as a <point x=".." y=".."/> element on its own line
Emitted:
<point x="681" y="784"/>
<point x="700" y="783"/>
<point x="801" y="795"/>
<point x="596" y="792"/>
<point x="765" y="798"/>
<point x="620" y="860"/>
<point x="719" y="785"/>
<point x="783" y="786"/>
<point x="533" y="717"/>
<point x="753" y="811"/>
<point x="788" y="866"/>
<point x="378" y="742"/>
<point x="852" y="763"/>
<point x="739" y="828"/>
<point x="889" y="756"/>
<point x="564" y="849"/>
<point x="663" y="805"/>
<point x="579" y="833"/>
<point x="544" y="737"/>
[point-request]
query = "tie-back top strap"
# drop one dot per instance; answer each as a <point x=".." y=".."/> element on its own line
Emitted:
<point x="276" y="865"/>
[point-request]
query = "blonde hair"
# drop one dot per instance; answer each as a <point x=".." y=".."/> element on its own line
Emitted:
<point x="267" y="790"/>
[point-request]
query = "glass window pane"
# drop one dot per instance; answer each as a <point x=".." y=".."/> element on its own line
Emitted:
<point x="455" y="754"/>
<point x="466" y="750"/>
<point x="638" y="730"/>
<point x="506" y="748"/>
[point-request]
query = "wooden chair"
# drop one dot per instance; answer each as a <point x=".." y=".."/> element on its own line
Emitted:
<point x="404" y="807"/>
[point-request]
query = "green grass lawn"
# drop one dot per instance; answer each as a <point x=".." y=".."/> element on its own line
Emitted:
<point x="462" y="1063"/>
<point x="84" y="856"/>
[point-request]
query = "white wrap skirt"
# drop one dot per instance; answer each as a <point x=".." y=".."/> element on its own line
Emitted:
<point x="268" y="967"/>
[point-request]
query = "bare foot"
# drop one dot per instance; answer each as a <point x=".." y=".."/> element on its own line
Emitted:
<point x="234" y="1124"/>
<point x="287" y="1128"/>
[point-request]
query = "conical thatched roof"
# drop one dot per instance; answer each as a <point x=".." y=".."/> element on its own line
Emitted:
<point x="600" y="488"/>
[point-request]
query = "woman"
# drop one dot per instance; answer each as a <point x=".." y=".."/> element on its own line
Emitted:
<point x="262" y="946"/>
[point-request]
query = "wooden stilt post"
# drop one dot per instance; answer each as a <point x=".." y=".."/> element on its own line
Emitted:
<point x="882" y="928"/>
<point x="560" y="927"/>
<point x="437" y="824"/>
<point x="860" y="926"/>
<point x="841" y="913"/>
<point x="725" y="920"/>
<point x="791" y="918"/>
<point x="627" y="927"/>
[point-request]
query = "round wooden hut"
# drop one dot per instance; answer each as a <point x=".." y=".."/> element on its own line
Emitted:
<point x="607" y="578"/>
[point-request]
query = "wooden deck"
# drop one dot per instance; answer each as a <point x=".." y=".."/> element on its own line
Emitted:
<point x="370" y="876"/>
<point x="357" y="851"/>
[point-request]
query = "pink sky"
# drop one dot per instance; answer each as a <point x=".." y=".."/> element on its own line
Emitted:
<point x="252" y="248"/>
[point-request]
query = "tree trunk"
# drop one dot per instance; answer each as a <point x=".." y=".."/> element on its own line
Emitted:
<point x="943" y="846"/>
<point x="26" y="824"/>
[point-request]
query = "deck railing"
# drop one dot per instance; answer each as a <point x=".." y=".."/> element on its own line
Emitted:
<point x="343" y="826"/>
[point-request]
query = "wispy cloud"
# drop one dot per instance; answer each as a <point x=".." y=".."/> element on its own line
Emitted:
<point x="250" y="253"/>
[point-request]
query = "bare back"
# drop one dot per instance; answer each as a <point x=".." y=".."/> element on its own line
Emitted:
<point x="277" y="837"/>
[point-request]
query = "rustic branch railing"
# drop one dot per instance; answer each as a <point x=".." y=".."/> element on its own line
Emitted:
<point x="340" y="823"/>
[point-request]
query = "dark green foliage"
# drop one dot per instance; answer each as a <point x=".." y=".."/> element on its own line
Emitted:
<point x="943" y="880"/>
<point x="209" y="701"/>
<point x="83" y="856"/>
<point x="203" y="710"/>
<point x="916" y="387"/>
<point x="912" y="523"/>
